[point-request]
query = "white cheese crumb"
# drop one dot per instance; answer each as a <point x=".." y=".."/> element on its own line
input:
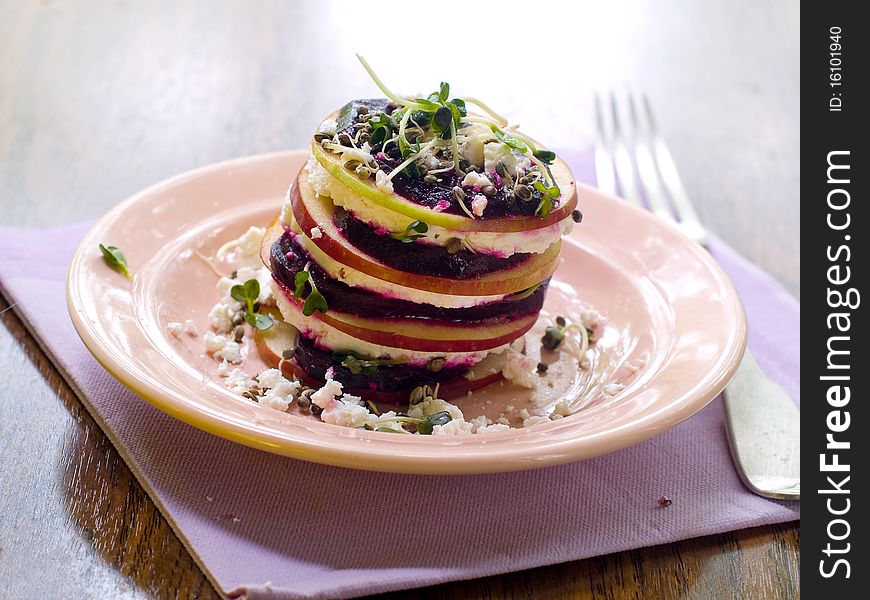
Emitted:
<point x="478" y="204"/>
<point x="319" y="179"/>
<point x="435" y="405"/>
<point x="223" y="348"/>
<point x="519" y="369"/>
<point x="174" y="328"/>
<point x="346" y="412"/>
<point x="591" y="318"/>
<point x="220" y="317"/>
<point x="190" y="328"/>
<point x="502" y="421"/>
<point x="316" y="234"/>
<point x="479" y="422"/>
<point x="363" y="154"/>
<point x="473" y="178"/>
<point x="236" y="380"/>
<point x="562" y="408"/>
<point x="535" y="420"/>
<point x="327" y="393"/>
<point x="494" y="428"/>
<point x="454" y="427"/>
<point x="611" y="389"/>
<point x="245" y="250"/>
<point x="382" y="183"/>
<point x="279" y="390"/>
<point x="524" y="414"/>
<point x="328" y="127"/>
<point x="497" y="151"/>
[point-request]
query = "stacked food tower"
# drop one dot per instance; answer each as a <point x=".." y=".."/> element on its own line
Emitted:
<point x="417" y="241"/>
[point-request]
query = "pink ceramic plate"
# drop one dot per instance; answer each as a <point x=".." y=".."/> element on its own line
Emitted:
<point x="674" y="328"/>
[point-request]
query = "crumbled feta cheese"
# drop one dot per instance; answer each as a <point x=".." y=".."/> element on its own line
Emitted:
<point x="220" y="317"/>
<point x="502" y="421"/>
<point x="362" y="154"/>
<point x="190" y="328"/>
<point x="316" y="234"/>
<point x="244" y="251"/>
<point x="494" y="428"/>
<point x="478" y="204"/>
<point x="318" y="178"/>
<point x="562" y="408"/>
<point x="383" y="184"/>
<point x="519" y="369"/>
<point x="384" y="422"/>
<point x="236" y="380"/>
<point x="591" y="318"/>
<point x="535" y="420"/>
<point x="496" y="152"/>
<point x="431" y="162"/>
<point x="611" y="389"/>
<point x="328" y="392"/>
<point x="476" y="179"/>
<point x="174" y="328"/>
<point x="347" y="413"/>
<point x="480" y="421"/>
<point x="328" y="127"/>
<point x="280" y="396"/>
<point x="261" y="274"/>
<point x="454" y="427"/>
<point x="223" y="348"/>
<point x="435" y="405"/>
<point x="287" y="206"/>
<point x="524" y="414"/>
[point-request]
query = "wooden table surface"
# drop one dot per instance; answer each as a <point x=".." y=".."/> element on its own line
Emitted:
<point x="99" y="100"/>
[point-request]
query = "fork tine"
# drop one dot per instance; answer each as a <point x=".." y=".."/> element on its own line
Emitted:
<point x="646" y="166"/>
<point x="622" y="158"/>
<point x="604" y="175"/>
<point x="670" y="178"/>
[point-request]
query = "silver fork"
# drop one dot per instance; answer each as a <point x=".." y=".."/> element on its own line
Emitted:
<point x="763" y="422"/>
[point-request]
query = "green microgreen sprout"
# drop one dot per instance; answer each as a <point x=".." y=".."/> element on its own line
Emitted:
<point x="554" y="335"/>
<point x="314" y="301"/>
<point x="509" y="140"/>
<point x="545" y="156"/>
<point x="549" y="194"/>
<point x="413" y="232"/>
<point x="247" y="293"/>
<point x="444" y="117"/>
<point x="357" y="364"/>
<point x="116" y="259"/>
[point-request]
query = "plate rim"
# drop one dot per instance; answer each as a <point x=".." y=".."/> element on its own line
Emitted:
<point x="490" y="460"/>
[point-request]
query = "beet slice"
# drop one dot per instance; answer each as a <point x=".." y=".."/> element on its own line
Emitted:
<point x="289" y="258"/>
<point x="390" y="378"/>
<point x="414" y="257"/>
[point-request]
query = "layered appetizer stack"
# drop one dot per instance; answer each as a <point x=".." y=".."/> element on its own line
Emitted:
<point x="416" y="243"/>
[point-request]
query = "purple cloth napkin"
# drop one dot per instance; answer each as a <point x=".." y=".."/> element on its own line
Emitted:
<point x="273" y="527"/>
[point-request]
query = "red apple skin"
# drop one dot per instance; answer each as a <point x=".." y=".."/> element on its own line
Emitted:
<point x="520" y="277"/>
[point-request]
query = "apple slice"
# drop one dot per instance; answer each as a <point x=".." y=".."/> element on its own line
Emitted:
<point x="392" y="201"/>
<point x="311" y="210"/>
<point x="272" y="343"/>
